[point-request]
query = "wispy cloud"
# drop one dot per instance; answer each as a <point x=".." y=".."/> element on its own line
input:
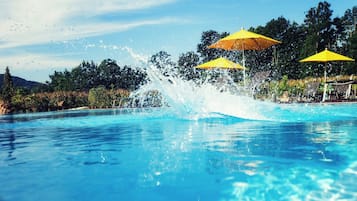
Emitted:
<point x="28" y="22"/>
<point x="36" y="61"/>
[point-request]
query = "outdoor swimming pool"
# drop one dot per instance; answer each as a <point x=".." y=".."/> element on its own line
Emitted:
<point x="154" y="154"/>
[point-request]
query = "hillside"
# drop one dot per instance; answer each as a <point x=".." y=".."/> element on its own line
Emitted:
<point x="20" y="82"/>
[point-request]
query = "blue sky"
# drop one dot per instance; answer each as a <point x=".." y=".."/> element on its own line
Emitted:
<point x="38" y="37"/>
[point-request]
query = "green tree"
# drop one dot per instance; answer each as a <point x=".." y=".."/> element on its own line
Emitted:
<point x="162" y="61"/>
<point x="350" y="67"/>
<point x="320" y="34"/>
<point x="112" y="76"/>
<point x="289" y="52"/>
<point x="62" y="81"/>
<point x="265" y="60"/>
<point x="88" y="75"/>
<point x="108" y="73"/>
<point x="98" y="97"/>
<point x="130" y="78"/>
<point x="84" y="76"/>
<point x="7" y="90"/>
<point x="349" y="21"/>
<point x="186" y="65"/>
<point x="207" y="39"/>
<point x="282" y="59"/>
<point x="319" y="29"/>
<point x="353" y="45"/>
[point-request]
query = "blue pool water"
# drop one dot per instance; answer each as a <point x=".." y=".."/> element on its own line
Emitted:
<point x="301" y="152"/>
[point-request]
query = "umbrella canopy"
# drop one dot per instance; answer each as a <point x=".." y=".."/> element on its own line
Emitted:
<point x="220" y="63"/>
<point x="244" y="40"/>
<point x="326" y="56"/>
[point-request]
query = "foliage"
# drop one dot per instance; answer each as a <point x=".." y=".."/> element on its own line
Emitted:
<point x="297" y="88"/>
<point x="59" y="100"/>
<point x="208" y="38"/>
<point x="88" y="75"/>
<point x="284" y="58"/>
<point x="319" y="29"/>
<point x="98" y="98"/>
<point x="62" y="81"/>
<point x="351" y="68"/>
<point x="283" y="85"/>
<point x="7" y="89"/>
<point x="49" y="101"/>
<point x="186" y="65"/>
<point x="163" y="62"/>
<point x="118" y="97"/>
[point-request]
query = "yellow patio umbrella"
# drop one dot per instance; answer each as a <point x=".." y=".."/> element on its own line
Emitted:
<point x="244" y="40"/>
<point x="324" y="57"/>
<point x="220" y="63"/>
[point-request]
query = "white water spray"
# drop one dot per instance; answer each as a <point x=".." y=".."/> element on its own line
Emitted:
<point x="188" y="99"/>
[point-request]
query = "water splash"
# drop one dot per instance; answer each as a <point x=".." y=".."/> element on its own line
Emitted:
<point x="193" y="100"/>
<point x="205" y="99"/>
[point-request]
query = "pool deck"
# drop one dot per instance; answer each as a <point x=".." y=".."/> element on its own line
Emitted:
<point x="318" y="102"/>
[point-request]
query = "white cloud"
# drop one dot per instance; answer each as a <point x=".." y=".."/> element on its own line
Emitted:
<point x="72" y="32"/>
<point x="27" y="22"/>
<point x="36" y="61"/>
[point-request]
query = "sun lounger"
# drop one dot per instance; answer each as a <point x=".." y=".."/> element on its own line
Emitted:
<point x="258" y="79"/>
<point x="342" y="90"/>
<point x="311" y="90"/>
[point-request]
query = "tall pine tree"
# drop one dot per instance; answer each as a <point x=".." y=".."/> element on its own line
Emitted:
<point x="318" y="24"/>
<point x="7" y="88"/>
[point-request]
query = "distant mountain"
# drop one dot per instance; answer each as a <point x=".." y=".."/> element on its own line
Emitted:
<point x="20" y="82"/>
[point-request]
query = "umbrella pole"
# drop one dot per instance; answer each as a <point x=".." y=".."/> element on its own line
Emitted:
<point x="243" y="69"/>
<point x="325" y="85"/>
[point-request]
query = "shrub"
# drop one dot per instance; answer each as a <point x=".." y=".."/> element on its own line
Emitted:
<point x="99" y="98"/>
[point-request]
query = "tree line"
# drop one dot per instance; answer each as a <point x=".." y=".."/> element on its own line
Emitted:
<point x="88" y="75"/>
